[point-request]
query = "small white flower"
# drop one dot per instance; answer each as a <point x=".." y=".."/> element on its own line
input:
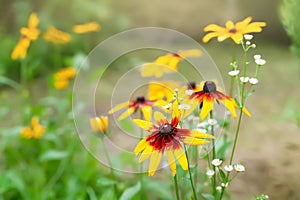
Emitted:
<point x="257" y="56"/>
<point x="212" y="122"/>
<point x="253" y="81"/>
<point x="234" y="72"/>
<point x="266" y="196"/>
<point x="202" y="130"/>
<point x="260" y="61"/>
<point x="189" y="92"/>
<point x="248" y="37"/>
<point x="219" y="188"/>
<point x="239" y="168"/>
<point x="210" y="173"/>
<point x="202" y="124"/>
<point x="184" y="107"/>
<point x="253" y="45"/>
<point x="228" y="168"/>
<point x="176" y="90"/>
<point x="248" y="43"/>
<point x="167" y="106"/>
<point x="216" y="162"/>
<point x="224" y="185"/>
<point x="244" y="79"/>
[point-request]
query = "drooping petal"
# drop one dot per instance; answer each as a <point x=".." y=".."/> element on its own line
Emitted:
<point x="146" y="125"/>
<point x="230" y="105"/>
<point x="171" y="160"/>
<point x="147" y="112"/>
<point x="125" y="114"/>
<point x="160" y="118"/>
<point x="146" y="153"/>
<point x="154" y="162"/>
<point x="118" y="107"/>
<point x="208" y="103"/>
<point x="244" y="110"/>
<point x="173" y="63"/>
<point x="140" y="147"/>
<point x="180" y="156"/>
<point x="175" y="114"/>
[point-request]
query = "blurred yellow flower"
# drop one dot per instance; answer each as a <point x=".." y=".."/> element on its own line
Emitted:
<point x="20" y="50"/>
<point x="86" y="28"/>
<point x="99" y="124"/>
<point x="31" y="32"/>
<point x="233" y="31"/>
<point x="36" y="130"/>
<point x="56" y="36"/>
<point x="162" y="90"/>
<point x="61" y="78"/>
<point x="167" y="63"/>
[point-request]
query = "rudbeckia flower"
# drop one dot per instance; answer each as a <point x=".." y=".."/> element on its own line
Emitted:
<point x="61" y="78"/>
<point x="209" y="94"/>
<point x="31" y="32"/>
<point x="56" y="36"/>
<point x="99" y="124"/>
<point x="233" y="31"/>
<point x="34" y="131"/>
<point x="21" y="48"/>
<point x="168" y="63"/>
<point x="162" y="90"/>
<point x="86" y="28"/>
<point x="145" y="105"/>
<point x="167" y="137"/>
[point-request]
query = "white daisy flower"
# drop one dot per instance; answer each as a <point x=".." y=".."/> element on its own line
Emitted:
<point x="248" y="37"/>
<point x="216" y="162"/>
<point x="233" y="72"/>
<point x="189" y="92"/>
<point x="184" y="107"/>
<point x="253" y="81"/>
<point x="228" y="168"/>
<point x="257" y="56"/>
<point x="210" y="173"/>
<point x="219" y="188"/>
<point x="260" y="61"/>
<point x="212" y="122"/>
<point x="224" y="185"/>
<point x="248" y="43"/>
<point x="239" y="168"/>
<point x="244" y="79"/>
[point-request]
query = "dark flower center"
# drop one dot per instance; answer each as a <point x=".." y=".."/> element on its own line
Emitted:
<point x="209" y="87"/>
<point x="166" y="129"/>
<point x="141" y="99"/>
<point x="191" y="85"/>
<point x="176" y="55"/>
<point x="233" y="30"/>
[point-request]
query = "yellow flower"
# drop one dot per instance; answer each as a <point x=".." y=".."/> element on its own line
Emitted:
<point x="167" y="137"/>
<point x="56" y="36"/>
<point x="20" y="50"/>
<point x="86" y="28"/>
<point x="233" y="31"/>
<point x="31" y="32"/>
<point x="162" y="90"/>
<point x="61" y="78"/>
<point x="34" y="131"/>
<point x="167" y="63"/>
<point x="99" y="124"/>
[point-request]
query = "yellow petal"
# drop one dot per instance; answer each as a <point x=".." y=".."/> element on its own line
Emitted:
<point x="118" y="107"/>
<point x="194" y="141"/>
<point x="159" y="117"/>
<point x="246" y="112"/>
<point x="176" y="112"/>
<point x="140" y="147"/>
<point x="94" y="122"/>
<point x="147" y="112"/>
<point x="146" y="153"/>
<point x="190" y="53"/>
<point x="33" y="20"/>
<point x="230" y="105"/>
<point x="229" y="24"/>
<point x="154" y="162"/>
<point x="171" y="160"/>
<point x="180" y="156"/>
<point x="243" y="24"/>
<point x="213" y="27"/>
<point x="208" y="103"/>
<point x="146" y="125"/>
<point x="198" y="134"/>
<point x="237" y="37"/>
<point x="209" y="36"/>
<point x="126" y="113"/>
<point x="151" y="69"/>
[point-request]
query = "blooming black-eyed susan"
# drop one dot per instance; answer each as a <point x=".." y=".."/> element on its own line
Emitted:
<point x="57" y="36"/>
<point x="61" y="78"/>
<point x="145" y="105"/>
<point x="86" y="28"/>
<point x="167" y="63"/>
<point x="36" y="130"/>
<point x="99" y="124"/>
<point x="209" y="94"/>
<point x="233" y="31"/>
<point x="167" y="137"/>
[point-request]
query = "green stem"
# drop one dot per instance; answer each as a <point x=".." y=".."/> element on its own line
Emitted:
<point x="141" y="175"/>
<point x="190" y="173"/>
<point x="176" y="187"/>
<point x="214" y="178"/>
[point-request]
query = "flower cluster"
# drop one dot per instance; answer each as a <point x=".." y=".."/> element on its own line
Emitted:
<point x="61" y="78"/>
<point x="36" y="130"/>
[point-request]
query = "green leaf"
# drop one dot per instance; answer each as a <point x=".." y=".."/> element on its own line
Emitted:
<point x="108" y="195"/>
<point x="9" y="82"/>
<point x="53" y="155"/>
<point x="103" y="181"/>
<point x="162" y="191"/>
<point x="208" y="196"/>
<point x="130" y="192"/>
<point x="223" y="176"/>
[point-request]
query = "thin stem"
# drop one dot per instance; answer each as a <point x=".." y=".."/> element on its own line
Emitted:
<point x="176" y="187"/>
<point x="190" y="173"/>
<point x="214" y="178"/>
<point x="141" y="176"/>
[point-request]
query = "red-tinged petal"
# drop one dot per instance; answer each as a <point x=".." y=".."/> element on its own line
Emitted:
<point x="229" y="103"/>
<point x="147" y="112"/>
<point x="126" y="113"/>
<point x="140" y="147"/>
<point x="175" y="114"/>
<point x="154" y="162"/>
<point x="146" y="153"/>
<point x="194" y="141"/>
<point x="160" y="118"/>
<point x="180" y="156"/>
<point x="171" y="160"/>
<point x="119" y="107"/>
<point x="146" y="125"/>
<point x="208" y="103"/>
